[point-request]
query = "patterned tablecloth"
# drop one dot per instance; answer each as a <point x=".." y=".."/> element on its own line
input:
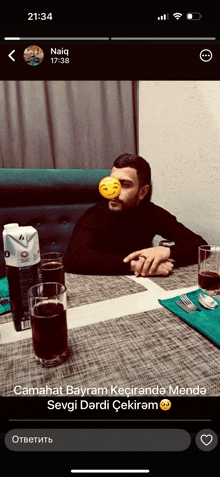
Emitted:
<point x="138" y="350"/>
<point x="181" y="277"/>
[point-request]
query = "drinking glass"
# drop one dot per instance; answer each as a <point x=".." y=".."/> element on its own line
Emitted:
<point x="47" y="305"/>
<point x="209" y="268"/>
<point x="52" y="267"/>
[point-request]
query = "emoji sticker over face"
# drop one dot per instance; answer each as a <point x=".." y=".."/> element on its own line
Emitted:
<point x="165" y="404"/>
<point x="109" y="187"/>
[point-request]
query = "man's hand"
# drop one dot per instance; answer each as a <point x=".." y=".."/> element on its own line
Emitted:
<point x="149" y="260"/>
<point x="164" y="268"/>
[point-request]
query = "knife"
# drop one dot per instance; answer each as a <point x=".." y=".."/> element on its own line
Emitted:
<point x="184" y="307"/>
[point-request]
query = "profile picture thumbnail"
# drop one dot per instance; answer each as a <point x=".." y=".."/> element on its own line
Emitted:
<point x="33" y="55"/>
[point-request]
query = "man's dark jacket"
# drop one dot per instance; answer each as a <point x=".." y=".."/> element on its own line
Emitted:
<point x="102" y="238"/>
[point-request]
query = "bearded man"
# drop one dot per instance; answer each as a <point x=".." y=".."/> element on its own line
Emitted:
<point x="114" y="237"/>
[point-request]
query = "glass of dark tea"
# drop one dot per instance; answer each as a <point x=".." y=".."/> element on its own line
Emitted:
<point x="47" y="305"/>
<point x="52" y="267"/>
<point x="209" y="268"/>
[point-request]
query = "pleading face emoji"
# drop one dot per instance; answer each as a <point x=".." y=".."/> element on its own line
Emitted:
<point x="165" y="404"/>
<point x="109" y="187"/>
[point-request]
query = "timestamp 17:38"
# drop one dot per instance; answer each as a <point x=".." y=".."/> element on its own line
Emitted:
<point x="60" y="60"/>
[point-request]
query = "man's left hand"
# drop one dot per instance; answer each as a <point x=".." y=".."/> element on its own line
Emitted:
<point x="153" y="256"/>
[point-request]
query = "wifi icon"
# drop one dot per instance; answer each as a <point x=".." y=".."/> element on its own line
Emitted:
<point x="177" y="15"/>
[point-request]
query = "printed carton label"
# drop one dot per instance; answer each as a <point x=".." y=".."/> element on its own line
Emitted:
<point x="21" y="247"/>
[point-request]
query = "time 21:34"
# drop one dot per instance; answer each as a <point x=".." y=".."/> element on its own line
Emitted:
<point x="40" y="16"/>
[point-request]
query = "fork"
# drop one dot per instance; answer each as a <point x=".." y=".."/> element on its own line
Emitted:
<point x="185" y="299"/>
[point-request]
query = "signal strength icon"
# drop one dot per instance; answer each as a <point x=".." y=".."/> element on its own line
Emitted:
<point x="164" y="17"/>
<point x="177" y="15"/>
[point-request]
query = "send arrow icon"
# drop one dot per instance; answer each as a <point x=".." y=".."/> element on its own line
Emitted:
<point x="10" y="55"/>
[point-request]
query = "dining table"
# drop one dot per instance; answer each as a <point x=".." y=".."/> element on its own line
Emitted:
<point x="119" y="337"/>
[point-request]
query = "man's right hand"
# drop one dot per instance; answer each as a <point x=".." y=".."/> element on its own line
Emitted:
<point x="164" y="268"/>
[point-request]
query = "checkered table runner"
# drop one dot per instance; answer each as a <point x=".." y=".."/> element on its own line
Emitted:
<point x="86" y="289"/>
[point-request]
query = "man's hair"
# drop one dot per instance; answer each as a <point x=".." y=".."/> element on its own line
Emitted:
<point x="136" y="162"/>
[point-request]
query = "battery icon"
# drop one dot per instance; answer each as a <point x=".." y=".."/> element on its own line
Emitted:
<point x="193" y="16"/>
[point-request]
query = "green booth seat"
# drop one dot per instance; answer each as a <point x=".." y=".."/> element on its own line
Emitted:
<point x="51" y="200"/>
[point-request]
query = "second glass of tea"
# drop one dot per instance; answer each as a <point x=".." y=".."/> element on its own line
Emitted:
<point x="209" y="268"/>
<point x="52" y="267"/>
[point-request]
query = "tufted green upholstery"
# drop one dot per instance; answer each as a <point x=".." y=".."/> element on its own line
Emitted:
<point x="51" y="200"/>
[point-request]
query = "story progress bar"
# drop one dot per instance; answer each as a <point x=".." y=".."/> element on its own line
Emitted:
<point x="152" y="38"/>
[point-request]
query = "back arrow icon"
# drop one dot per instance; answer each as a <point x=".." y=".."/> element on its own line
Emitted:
<point x="10" y="55"/>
